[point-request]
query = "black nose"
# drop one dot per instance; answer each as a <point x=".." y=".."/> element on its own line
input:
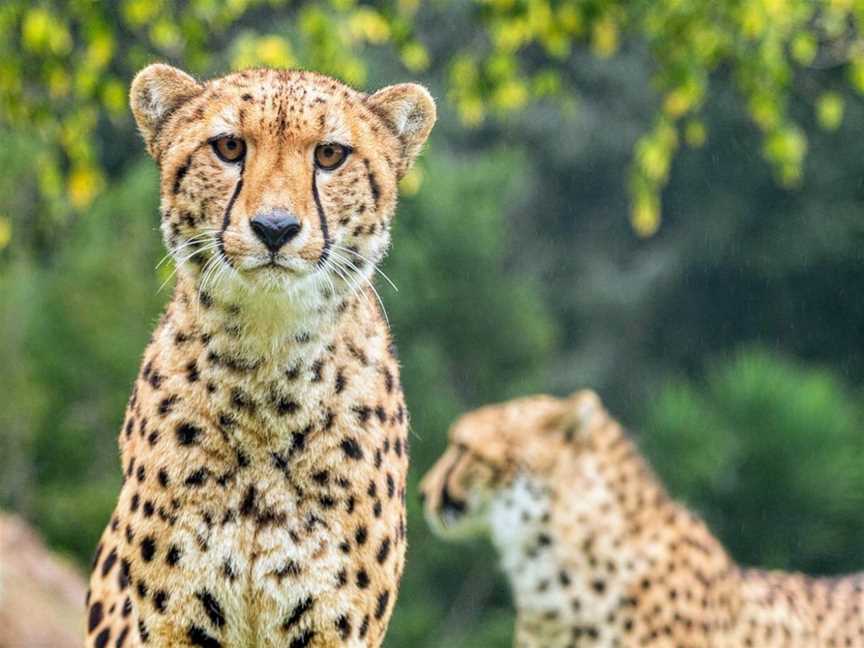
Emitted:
<point x="275" y="228"/>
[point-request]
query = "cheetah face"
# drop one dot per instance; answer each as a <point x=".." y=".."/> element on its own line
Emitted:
<point x="278" y="180"/>
<point x="494" y="449"/>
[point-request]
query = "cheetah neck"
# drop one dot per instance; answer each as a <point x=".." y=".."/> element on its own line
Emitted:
<point x="265" y="329"/>
<point x="574" y="541"/>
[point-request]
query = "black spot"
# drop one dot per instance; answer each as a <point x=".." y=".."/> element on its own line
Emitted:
<point x="198" y="477"/>
<point x="362" y="579"/>
<point x="381" y="413"/>
<point x="381" y="606"/>
<point x="148" y="548"/>
<point x="303" y="640"/>
<point x="198" y="637"/>
<point x="383" y="551"/>
<point x="127" y="608"/>
<point x="247" y="508"/>
<point x="173" y="555"/>
<point x="351" y="448"/>
<point x="211" y="608"/>
<point x="241" y="400"/>
<point x="291" y="568"/>
<point x="142" y="631"/>
<point x="124" y="575"/>
<point x="344" y="626"/>
<point x="95" y="616"/>
<point x="329" y="417"/>
<point x="102" y="638"/>
<point x="321" y="477"/>
<point x="192" y="374"/>
<point x="187" y="434"/>
<point x="286" y="406"/>
<point x="160" y="598"/>
<point x="363" y="412"/>
<point x="121" y="638"/>
<point x="298" y="612"/>
<point x="364" y="627"/>
<point x="110" y="559"/>
<point x="167" y="404"/>
<point x="361" y="535"/>
<point x="162" y="476"/>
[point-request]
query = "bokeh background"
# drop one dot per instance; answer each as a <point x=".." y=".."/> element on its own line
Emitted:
<point x="660" y="200"/>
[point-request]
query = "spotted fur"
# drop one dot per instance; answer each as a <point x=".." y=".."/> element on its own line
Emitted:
<point x="596" y="552"/>
<point x="265" y="447"/>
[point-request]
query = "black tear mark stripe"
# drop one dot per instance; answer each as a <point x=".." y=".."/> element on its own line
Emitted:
<point x="226" y="219"/>
<point x="322" y="219"/>
<point x="373" y="184"/>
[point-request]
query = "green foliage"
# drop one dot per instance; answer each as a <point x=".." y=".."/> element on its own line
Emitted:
<point x="521" y="50"/>
<point x="76" y="329"/>
<point x="771" y="452"/>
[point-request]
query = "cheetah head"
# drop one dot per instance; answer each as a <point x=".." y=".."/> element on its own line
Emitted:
<point x="278" y="180"/>
<point x="492" y="447"/>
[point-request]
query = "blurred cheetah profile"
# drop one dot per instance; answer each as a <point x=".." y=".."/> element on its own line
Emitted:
<point x="264" y="447"/>
<point x="596" y="552"/>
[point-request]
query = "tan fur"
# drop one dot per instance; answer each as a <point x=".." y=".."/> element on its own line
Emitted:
<point x="596" y="552"/>
<point x="264" y="447"/>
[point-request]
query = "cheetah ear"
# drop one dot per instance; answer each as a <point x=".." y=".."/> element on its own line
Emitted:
<point x="157" y="91"/>
<point x="581" y="412"/>
<point x="409" y="111"/>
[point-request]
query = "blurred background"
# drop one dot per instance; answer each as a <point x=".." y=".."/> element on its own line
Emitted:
<point x="663" y="201"/>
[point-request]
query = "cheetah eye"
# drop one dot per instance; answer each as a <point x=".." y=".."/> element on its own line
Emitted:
<point x="229" y="148"/>
<point x="330" y="156"/>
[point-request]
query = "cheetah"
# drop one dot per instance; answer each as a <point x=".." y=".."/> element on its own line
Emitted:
<point x="264" y="447"/>
<point x="598" y="554"/>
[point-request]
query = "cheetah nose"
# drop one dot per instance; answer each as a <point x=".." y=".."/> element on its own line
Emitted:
<point x="275" y="228"/>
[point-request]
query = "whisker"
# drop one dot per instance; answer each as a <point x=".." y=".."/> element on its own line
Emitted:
<point x="180" y="262"/>
<point x="201" y="236"/>
<point x="369" y="261"/>
<point x="341" y="259"/>
<point x="371" y="285"/>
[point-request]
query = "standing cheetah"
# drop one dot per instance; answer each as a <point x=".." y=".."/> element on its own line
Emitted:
<point x="264" y="448"/>
<point x="597" y="553"/>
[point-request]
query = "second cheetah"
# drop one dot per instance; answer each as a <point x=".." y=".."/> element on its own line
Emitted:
<point x="598" y="554"/>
